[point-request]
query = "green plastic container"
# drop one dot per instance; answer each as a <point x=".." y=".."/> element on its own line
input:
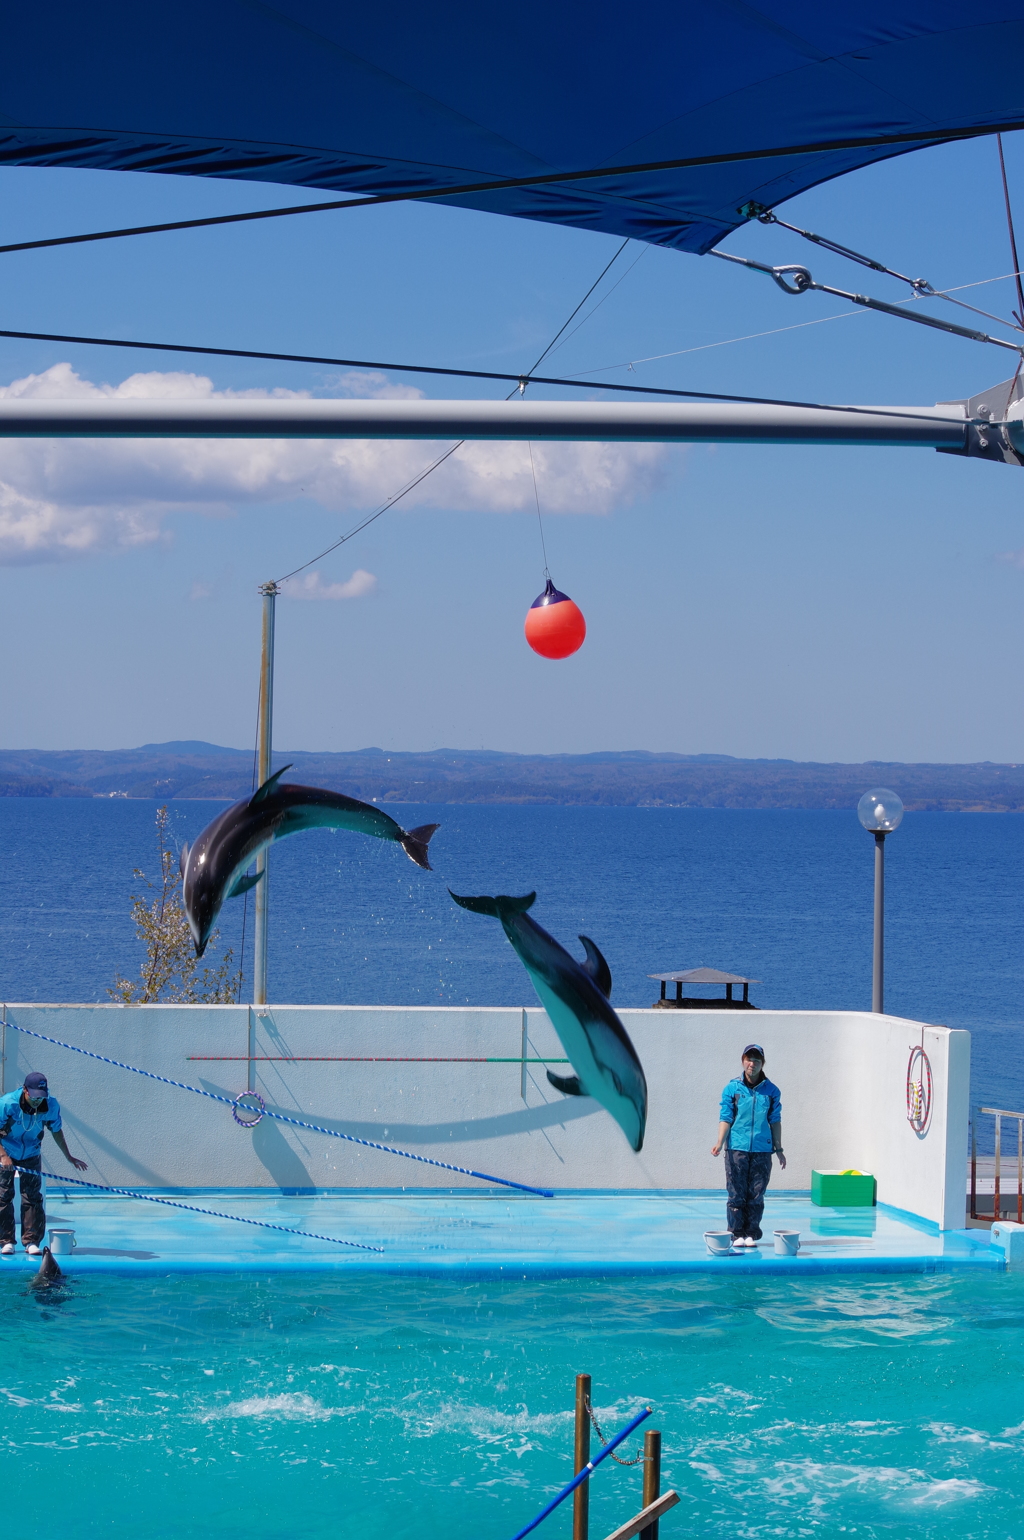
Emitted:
<point x="842" y="1189"/>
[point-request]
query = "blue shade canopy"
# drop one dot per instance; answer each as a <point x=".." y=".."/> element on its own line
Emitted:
<point x="773" y="97"/>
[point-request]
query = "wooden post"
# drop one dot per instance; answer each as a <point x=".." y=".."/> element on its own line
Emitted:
<point x="581" y="1455"/>
<point x="652" y="1479"/>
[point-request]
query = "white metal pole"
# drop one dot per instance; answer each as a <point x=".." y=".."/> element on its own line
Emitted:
<point x="263" y="754"/>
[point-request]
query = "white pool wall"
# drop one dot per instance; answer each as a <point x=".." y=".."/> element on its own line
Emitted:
<point x="842" y="1076"/>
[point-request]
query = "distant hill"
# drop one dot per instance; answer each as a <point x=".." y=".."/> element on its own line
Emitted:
<point x="631" y="778"/>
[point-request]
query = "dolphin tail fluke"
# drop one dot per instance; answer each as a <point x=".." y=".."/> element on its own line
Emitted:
<point x="243" y="884"/>
<point x="496" y="907"/>
<point x="183" y="858"/>
<point x="569" y="1085"/>
<point x="416" y="841"/>
<point x="596" y="966"/>
<point x="268" y="788"/>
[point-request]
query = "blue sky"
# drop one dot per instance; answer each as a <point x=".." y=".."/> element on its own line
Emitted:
<point x="783" y="602"/>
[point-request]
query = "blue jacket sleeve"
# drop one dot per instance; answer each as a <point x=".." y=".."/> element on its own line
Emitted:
<point x="727" y="1110"/>
<point x="775" y="1111"/>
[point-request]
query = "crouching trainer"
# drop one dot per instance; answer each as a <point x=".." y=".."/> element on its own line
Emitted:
<point x="25" y="1115"/>
<point x="750" y="1130"/>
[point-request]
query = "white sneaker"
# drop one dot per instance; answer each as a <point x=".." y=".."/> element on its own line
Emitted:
<point x="7" y="1250"/>
<point x="33" y="1250"/>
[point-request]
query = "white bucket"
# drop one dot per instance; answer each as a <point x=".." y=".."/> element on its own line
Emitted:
<point x="787" y="1243"/>
<point x="62" y="1241"/>
<point x="718" y="1242"/>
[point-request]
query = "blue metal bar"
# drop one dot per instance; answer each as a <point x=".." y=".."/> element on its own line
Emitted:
<point x="585" y="1473"/>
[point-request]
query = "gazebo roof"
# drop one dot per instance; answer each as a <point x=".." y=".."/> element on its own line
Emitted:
<point x="702" y="976"/>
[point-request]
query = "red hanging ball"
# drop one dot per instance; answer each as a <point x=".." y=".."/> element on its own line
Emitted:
<point x="554" y="627"/>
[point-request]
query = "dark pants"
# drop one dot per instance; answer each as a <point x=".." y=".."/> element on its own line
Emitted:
<point x="746" y="1176"/>
<point x="33" y="1215"/>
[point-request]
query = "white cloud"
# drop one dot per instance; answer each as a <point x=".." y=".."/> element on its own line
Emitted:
<point x="1011" y="558"/>
<point x="313" y="587"/>
<point x="66" y="498"/>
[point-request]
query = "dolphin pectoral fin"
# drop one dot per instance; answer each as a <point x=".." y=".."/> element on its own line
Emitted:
<point x="596" y="966"/>
<point x="243" y="884"/>
<point x="268" y="787"/>
<point x="416" y="841"/>
<point x="183" y="858"/>
<point x="496" y="906"/>
<point x="569" y="1085"/>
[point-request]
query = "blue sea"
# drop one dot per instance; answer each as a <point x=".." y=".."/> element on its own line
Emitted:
<point x="781" y="896"/>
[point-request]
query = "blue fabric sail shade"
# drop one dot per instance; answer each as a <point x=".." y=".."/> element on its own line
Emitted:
<point x="773" y="97"/>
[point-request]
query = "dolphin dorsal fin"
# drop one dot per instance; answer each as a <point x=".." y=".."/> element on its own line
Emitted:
<point x="268" y="788"/>
<point x="596" y="966"/>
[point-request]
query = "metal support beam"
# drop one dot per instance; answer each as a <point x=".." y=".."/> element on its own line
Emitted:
<point x="263" y="754"/>
<point x="936" y="427"/>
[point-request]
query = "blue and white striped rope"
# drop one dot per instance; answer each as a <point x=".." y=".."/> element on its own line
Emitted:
<point x="211" y="1213"/>
<point x="280" y="1117"/>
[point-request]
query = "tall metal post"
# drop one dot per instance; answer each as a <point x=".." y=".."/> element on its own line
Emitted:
<point x="878" y="958"/>
<point x="652" y="1479"/>
<point x="581" y="1455"/>
<point x="263" y="753"/>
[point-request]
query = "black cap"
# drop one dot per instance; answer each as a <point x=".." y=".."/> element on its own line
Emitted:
<point x="753" y="1048"/>
<point x="35" y="1080"/>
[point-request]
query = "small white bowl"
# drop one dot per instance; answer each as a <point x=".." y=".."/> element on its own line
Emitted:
<point x="718" y="1242"/>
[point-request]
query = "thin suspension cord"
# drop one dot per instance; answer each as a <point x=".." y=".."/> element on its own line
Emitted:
<point x="520" y="386"/>
<point x="520" y="381"/>
<point x="540" y="521"/>
<point x="840" y="315"/>
<point x="581" y="304"/>
<point x="603" y="298"/>
<point x="409" y="487"/>
<point x="440" y="194"/>
<point x="570" y="382"/>
<point x="1019" y="313"/>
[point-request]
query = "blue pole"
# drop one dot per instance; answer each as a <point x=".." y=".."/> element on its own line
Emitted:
<point x="584" y="1474"/>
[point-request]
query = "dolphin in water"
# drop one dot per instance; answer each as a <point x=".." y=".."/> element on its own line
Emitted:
<point x="575" y="996"/>
<point x="49" y="1271"/>
<point x="214" y="867"/>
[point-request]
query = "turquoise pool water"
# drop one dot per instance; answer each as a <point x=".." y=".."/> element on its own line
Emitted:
<point x="413" y="1409"/>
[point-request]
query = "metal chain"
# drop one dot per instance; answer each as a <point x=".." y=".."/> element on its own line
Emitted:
<point x="641" y="1457"/>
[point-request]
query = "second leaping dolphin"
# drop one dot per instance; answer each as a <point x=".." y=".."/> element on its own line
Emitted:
<point x="575" y="996"/>
<point x="214" y="867"/>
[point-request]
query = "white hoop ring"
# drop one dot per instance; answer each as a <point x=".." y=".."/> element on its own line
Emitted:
<point x="244" y="1101"/>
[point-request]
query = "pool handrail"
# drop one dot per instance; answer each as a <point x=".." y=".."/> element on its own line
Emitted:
<point x="998" y="1113"/>
<point x="586" y="1472"/>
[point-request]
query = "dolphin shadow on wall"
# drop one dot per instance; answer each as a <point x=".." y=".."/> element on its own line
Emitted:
<point x="282" y="1163"/>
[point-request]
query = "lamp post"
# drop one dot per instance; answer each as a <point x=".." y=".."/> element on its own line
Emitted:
<point x="880" y="812"/>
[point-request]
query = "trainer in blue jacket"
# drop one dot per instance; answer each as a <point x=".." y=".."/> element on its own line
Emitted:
<point x="25" y="1115"/>
<point x="751" y="1131"/>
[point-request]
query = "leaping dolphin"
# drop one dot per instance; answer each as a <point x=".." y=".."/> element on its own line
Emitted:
<point x="575" y="996"/>
<point x="214" y="868"/>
